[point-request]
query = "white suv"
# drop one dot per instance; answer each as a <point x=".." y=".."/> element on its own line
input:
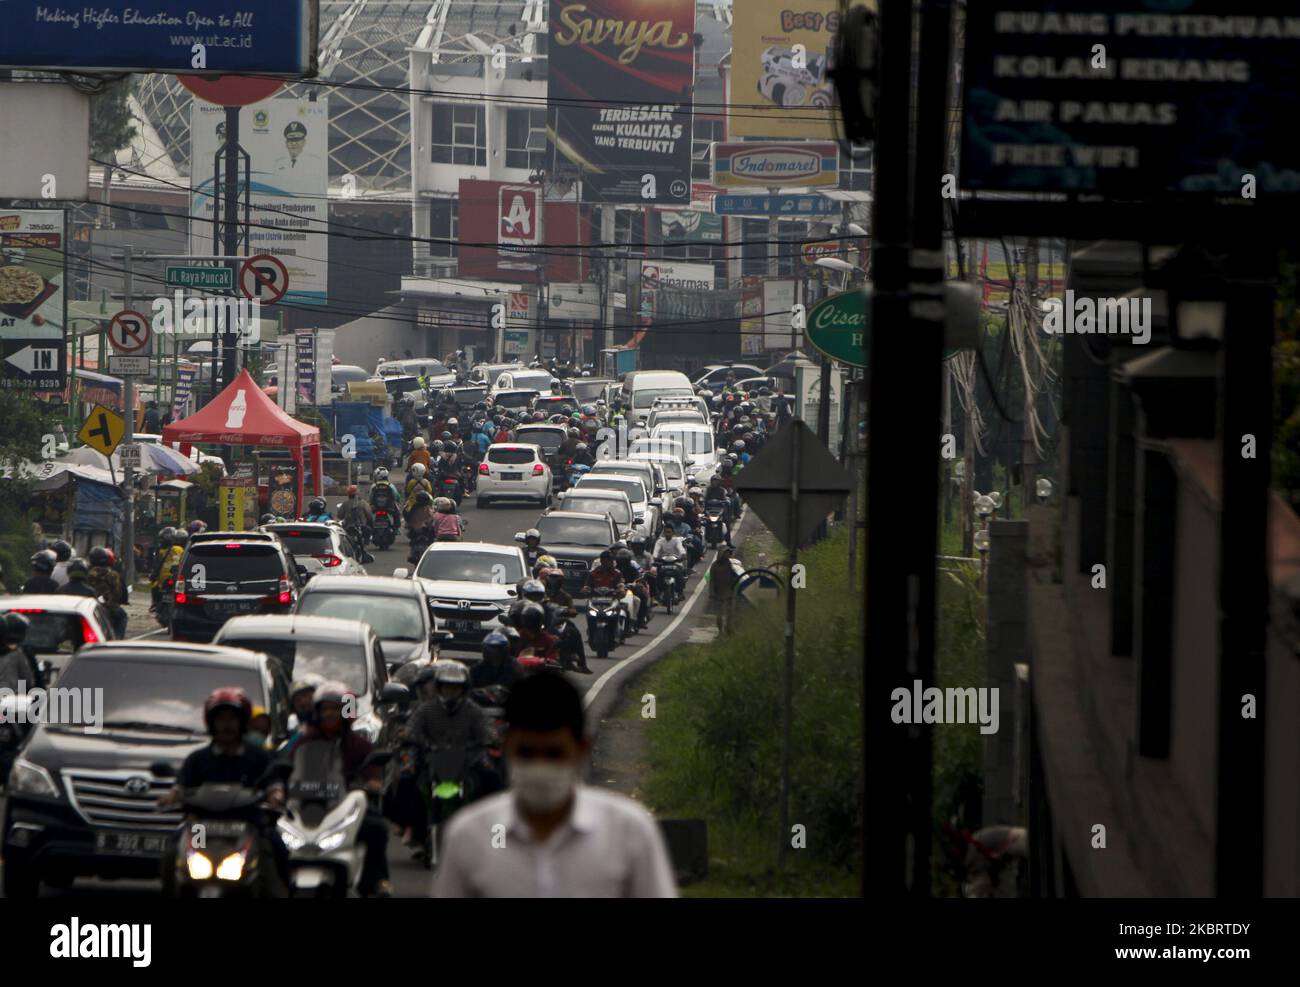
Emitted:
<point x="514" y="471"/>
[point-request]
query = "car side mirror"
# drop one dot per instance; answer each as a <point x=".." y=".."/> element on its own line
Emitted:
<point x="395" y="692"/>
<point x="401" y="572"/>
<point x="520" y="537"/>
<point x="302" y="571"/>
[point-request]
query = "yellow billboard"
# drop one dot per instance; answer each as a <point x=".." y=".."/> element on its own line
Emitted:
<point x="779" y="59"/>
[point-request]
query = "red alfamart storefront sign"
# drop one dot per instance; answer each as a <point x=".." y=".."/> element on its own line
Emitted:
<point x="563" y="224"/>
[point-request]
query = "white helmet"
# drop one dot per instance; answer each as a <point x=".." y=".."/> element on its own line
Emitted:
<point x="381" y="475"/>
<point x="417" y="470"/>
<point x="418" y="442"/>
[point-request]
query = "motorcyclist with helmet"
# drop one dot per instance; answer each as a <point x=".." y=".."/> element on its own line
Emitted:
<point x="19" y="671"/>
<point x="635" y="580"/>
<point x="384" y="496"/>
<point x="334" y="708"/>
<point x="604" y="574"/>
<point x="498" y="666"/>
<point x="419" y="454"/>
<point x="228" y="760"/>
<point x="445" y="524"/>
<point x="318" y="511"/>
<point x="63" y="555"/>
<point x="573" y="653"/>
<point x="533" y="547"/>
<point x="166" y="559"/>
<point x="43" y="563"/>
<point x="533" y="623"/>
<point x="78" y="580"/>
<point x="109" y="586"/>
<point x="419" y="525"/>
<point x="356" y="514"/>
<point x="415" y="482"/>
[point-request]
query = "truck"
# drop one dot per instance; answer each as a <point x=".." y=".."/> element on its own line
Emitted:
<point x="619" y="360"/>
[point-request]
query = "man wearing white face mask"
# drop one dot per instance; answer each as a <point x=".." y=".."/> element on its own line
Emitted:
<point x="550" y="835"/>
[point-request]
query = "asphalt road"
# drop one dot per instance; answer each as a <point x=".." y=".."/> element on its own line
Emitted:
<point x="496" y="524"/>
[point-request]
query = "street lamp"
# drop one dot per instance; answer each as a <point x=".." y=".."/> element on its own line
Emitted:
<point x="835" y="264"/>
<point x="1043" y="489"/>
<point x="984" y="506"/>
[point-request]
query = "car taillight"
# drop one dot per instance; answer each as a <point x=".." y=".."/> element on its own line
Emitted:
<point x="180" y="591"/>
<point x="88" y="634"/>
<point x="538" y="469"/>
<point x="483" y="468"/>
<point x="286" y="596"/>
<point x="568" y="462"/>
<point x="329" y="561"/>
<point x="27" y="610"/>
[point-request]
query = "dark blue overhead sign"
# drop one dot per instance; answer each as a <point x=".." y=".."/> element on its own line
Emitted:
<point x="1132" y="99"/>
<point x="774" y="205"/>
<point x="266" y="37"/>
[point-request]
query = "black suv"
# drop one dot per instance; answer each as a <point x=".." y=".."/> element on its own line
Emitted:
<point x="82" y="801"/>
<point x="218" y="580"/>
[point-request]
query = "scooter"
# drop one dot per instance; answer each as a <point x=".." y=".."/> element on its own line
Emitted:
<point x="715" y="528"/>
<point x="492" y="700"/>
<point x="449" y="485"/>
<point x="605" y="617"/>
<point x="448" y="792"/>
<point x="219" y="853"/>
<point x="672" y="579"/>
<point x="383" y="532"/>
<point x="322" y="823"/>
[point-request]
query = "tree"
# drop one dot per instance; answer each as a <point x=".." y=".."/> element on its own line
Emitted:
<point x="111" y="124"/>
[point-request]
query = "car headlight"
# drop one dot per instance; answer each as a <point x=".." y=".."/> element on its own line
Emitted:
<point x="26" y="778"/>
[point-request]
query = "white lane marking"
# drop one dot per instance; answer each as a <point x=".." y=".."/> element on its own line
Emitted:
<point x="141" y="637"/>
<point x="627" y="662"/>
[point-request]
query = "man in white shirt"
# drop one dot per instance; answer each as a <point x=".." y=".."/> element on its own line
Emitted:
<point x="670" y="543"/>
<point x="550" y="835"/>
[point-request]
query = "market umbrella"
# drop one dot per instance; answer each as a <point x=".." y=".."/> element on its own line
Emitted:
<point x="153" y="459"/>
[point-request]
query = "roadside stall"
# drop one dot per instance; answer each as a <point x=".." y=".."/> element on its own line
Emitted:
<point x="242" y="415"/>
<point x="76" y="502"/>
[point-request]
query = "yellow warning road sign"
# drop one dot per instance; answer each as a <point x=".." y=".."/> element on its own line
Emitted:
<point x="102" y="430"/>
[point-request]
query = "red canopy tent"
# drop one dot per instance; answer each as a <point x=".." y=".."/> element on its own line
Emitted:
<point x="242" y="415"/>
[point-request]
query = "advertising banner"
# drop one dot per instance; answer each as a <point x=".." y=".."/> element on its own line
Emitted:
<point x="306" y="358"/>
<point x="778" y="88"/>
<point x="620" y="76"/>
<point x="185" y="374"/>
<point x="287" y="142"/>
<point x="487" y="216"/>
<point x="264" y="37"/>
<point x="33" y="299"/>
<point x="778" y="304"/>
<point x="1107" y="97"/>
<point x="689" y="226"/>
<point x="324" y="363"/>
<point x="738" y="164"/>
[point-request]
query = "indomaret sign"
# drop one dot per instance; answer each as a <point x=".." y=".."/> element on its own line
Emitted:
<point x="1106" y="97"/>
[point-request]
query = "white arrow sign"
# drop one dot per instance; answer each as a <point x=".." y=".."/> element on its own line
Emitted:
<point x="31" y="359"/>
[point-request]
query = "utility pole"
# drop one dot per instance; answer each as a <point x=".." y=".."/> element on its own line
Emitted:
<point x="231" y="233"/>
<point x="128" y="437"/>
<point x="1028" y="460"/>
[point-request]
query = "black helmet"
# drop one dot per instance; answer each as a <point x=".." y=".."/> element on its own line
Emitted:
<point x="98" y="556"/>
<point x="424" y="497"/>
<point x="532" y="617"/>
<point x="607" y="555"/>
<point x="636" y="541"/>
<point x="43" y="561"/>
<point x="623" y="554"/>
<point x="316" y="505"/>
<point x="445" y="436"/>
<point x="77" y="569"/>
<point x="13" y="630"/>
<point x="496" y="645"/>
<point x="267" y="518"/>
<point x="62" y="550"/>
<point x="683" y="502"/>
<point x="427" y="674"/>
<point x="180" y="537"/>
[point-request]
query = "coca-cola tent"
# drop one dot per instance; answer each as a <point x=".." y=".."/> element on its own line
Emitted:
<point x="242" y="415"/>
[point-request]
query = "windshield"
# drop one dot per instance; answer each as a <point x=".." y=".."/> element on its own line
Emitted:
<point x="248" y="563"/>
<point x="645" y="398"/>
<point x="700" y="442"/>
<point x="513" y="399"/>
<point x="573" y="531"/>
<point x="156" y="691"/>
<point x="305" y="542"/>
<point x="548" y="438"/>
<point x="631" y="486"/>
<point x="508" y="456"/>
<point x="657" y="446"/>
<point x="619" y="511"/>
<point x="539" y="382"/>
<point x="471" y="567"/>
<point x="334" y="660"/>
<point x="587" y="391"/>
<point x="52" y="632"/>
<point x="671" y="465"/>
<point x="343" y="374"/>
<point x="392" y="617"/>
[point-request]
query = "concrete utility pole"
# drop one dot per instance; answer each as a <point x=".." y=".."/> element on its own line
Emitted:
<point x="229" y="339"/>
<point x="1028" y="459"/>
<point x="128" y="437"/>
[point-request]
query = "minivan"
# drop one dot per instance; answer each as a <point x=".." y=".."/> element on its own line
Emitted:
<point x="641" y="387"/>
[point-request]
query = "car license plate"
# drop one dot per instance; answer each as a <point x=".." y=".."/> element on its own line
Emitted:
<point x="463" y="625"/>
<point x="236" y="606"/>
<point x="512" y="476"/>
<point x="131" y="844"/>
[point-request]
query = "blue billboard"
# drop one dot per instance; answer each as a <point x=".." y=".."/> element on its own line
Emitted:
<point x="263" y="37"/>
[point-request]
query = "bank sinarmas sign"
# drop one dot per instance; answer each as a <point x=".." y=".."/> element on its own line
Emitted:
<point x="1139" y="99"/>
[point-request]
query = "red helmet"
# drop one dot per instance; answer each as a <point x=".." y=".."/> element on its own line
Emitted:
<point x="228" y="698"/>
<point x="112" y="557"/>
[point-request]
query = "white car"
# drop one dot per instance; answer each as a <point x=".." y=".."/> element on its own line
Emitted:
<point x="525" y="380"/>
<point x="698" y="442"/>
<point x="514" y="471"/>
<point x="471" y="585"/>
<point x="662" y="416"/>
<point x="594" y="500"/>
<point x="321" y="547"/>
<point x="674" y="471"/>
<point x="643" y="505"/>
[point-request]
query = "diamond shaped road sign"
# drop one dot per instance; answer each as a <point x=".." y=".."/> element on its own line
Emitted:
<point x="767" y="482"/>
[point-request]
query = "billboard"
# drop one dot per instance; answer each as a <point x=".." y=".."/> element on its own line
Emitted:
<point x="778" y="308"/>
<point x="266" y="37"/>
<point x="689" y="226"/>
<point x="490" y="213"/>
<point x="33" y="299"/>
<point x="1178" y="103"/>
<point x="777" y="88"/>
<point x="287" y="142"/>
<point x="620" y="76"/>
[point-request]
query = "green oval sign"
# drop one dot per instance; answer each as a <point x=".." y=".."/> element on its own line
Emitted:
<point x="838" y="327"/>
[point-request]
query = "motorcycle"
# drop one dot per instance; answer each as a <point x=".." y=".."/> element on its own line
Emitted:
<point x="383" y="533"/>
<point x="575" y="472"/>
<point x="420" y="540"/>
<point x="605" y="620"/>
<point x="322" y="822"/>
<point x="672" y="581"/>
<point x="492" y="700"/>
<point x="449" y="485"/>
<point x="449" y="770"/>
<point x="220" y="850"/>
<point x="715" y="528"/>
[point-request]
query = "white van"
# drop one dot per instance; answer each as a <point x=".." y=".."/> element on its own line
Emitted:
<point x="641" y="387"/>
